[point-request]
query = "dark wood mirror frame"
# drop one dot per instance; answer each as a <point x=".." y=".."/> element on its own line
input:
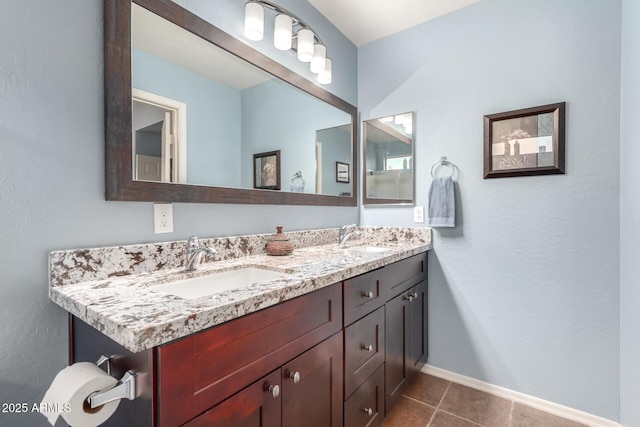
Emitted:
<point x="118" y="124"/>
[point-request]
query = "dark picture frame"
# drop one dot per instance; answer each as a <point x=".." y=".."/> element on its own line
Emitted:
<point x="525" y="142"/>
<point x="266" y="170"/>
<point x="342" y="172"/>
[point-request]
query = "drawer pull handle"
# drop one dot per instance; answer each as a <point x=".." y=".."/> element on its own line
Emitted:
<point x="369" y="347"/>
<point x="295" y="376"/>
<point x="367" y="294"/>
<point x="369" y="411"/>
<point x="274" y="391"/>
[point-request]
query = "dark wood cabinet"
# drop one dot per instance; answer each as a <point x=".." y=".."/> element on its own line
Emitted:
<point x="201" y="370"/>
<point x="307" y="391"/>
<point x="258" y="405"/>
<point x="385" y="317"/>
<point x="341" y="355"/>
<point x="406" y="341"/>
<point x="312" y="387"/>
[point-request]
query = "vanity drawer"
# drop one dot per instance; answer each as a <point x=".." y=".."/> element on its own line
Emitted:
<point x="402" y="275"/>
<point x="203" y="369"/>
<point x="366" y="407"/>
<point x="362" y="295"/>
<point x="364" y="349"/>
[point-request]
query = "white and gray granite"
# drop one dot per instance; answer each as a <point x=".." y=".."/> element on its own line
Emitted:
<point x="113" y="289"/>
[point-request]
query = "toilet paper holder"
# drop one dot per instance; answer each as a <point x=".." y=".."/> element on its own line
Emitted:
<point x="126" y="388"/>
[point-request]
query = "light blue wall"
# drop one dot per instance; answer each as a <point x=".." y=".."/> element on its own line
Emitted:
<point x="283" y="118"/>
<point x="524" y="292"/>
<point x="52" y="175"/>
<point x="213" y="117"/>
<point x="630" y="217"/>
<point x="335" y="148"/>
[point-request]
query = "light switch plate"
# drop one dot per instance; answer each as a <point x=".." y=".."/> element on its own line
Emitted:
<point x="418" y="214"/>
<point x="163" y="218"/>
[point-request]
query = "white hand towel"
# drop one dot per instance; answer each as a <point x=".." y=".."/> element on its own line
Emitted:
<point x="442" y="203"/>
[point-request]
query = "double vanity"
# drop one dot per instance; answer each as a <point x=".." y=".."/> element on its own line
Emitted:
<point x="330" y="335"/>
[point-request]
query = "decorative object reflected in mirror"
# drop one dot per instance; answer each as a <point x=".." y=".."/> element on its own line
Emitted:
<point x="188" y="106"/>
<point x="388" y="160"/>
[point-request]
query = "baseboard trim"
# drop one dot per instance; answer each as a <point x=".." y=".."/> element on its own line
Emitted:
<point x="544" y="405"/>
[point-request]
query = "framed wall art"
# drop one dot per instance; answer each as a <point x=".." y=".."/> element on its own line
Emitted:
<point x="525" y="142"/>
<point x="266" y="170"/>
<point x="342" y="172"/>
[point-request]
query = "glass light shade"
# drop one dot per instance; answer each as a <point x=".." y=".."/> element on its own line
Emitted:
<point x="283" y="32"/>
<point x="253" y="21"/>
<point x="319" y="58"/>
<point x="305" y="45"/>
<point x="324" y="77"/>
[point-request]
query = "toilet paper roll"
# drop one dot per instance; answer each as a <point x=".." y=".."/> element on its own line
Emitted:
<point x="69" y="391"/>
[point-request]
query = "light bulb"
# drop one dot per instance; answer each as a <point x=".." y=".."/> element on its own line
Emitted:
<point x="253" y="21"/>
<point x="283" y="32"/>
<point x="305" y="45"/>
<point x="319" y="58"/>
<point x="325" y="76"/>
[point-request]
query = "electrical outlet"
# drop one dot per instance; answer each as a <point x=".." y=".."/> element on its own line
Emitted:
<point x="163" y="218"/>
<point x="418" y="214"/>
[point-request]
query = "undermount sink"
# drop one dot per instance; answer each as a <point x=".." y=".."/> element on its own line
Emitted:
<point x="214" y="283"/>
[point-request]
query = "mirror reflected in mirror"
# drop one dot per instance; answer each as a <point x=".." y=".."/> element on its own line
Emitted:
<point x="202" y="104"/>
<point x="388" y="160"/>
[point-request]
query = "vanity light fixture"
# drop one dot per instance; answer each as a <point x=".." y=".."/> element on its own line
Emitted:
<point x="290" y="33"/>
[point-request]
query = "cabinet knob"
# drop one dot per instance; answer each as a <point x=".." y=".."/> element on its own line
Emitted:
<point x="274" y="391"/>
<point x="369" y="411"/>
<point x="295" y="376"/>
<point x="414" y="295"/>
<point x="367" y="347"/>
<point x="408" y="297"/>
<point x="367" y="294"/>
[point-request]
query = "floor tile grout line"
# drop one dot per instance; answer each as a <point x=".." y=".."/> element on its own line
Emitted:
<point x="462" y="418"/>
<point x="511" y="414"/>
<point x="439" y="403"/>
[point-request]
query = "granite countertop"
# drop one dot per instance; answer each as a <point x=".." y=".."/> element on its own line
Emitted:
<point x="127" y="307"/>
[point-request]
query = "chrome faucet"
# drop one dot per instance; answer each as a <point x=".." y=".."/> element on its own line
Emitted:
<point x="194" y="253"/>
<point x="346" y="231"/>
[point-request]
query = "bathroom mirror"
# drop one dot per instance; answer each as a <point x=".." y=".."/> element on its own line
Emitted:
<point x="189" y="106"/>
<point x="388" y="161"/>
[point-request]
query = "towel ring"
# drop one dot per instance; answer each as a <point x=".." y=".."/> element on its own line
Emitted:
<point x="442" y="162"/>
<point x="297" y="175"/>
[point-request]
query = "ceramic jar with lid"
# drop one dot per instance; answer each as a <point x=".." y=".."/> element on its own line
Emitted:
<point x="279" y="244"/>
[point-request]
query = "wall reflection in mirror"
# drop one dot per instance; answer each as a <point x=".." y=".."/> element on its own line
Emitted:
<point x="200" y="114"/>
<point x="388" y="158"/>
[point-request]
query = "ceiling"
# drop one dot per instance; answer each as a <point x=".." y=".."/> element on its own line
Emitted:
<point x="364" y="21"/>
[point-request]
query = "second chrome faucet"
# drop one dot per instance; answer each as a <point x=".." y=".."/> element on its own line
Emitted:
<point x="346" y="232"/>
<point x="194" y="253"/>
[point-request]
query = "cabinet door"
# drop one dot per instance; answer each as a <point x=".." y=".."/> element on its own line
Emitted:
<point x="406" y="338"/>
<point x="417" y="351"/>
<point x="312" y="387"/>
<point x="397" y="336"/>
<point x="256" y="406"/>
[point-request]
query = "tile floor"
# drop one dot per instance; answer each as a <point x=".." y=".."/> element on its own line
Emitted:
<point x="434" y="402"/>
